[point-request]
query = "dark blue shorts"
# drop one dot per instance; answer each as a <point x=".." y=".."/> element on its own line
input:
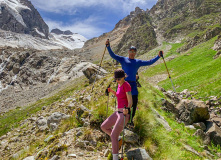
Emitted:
<point x="133" y="85"/>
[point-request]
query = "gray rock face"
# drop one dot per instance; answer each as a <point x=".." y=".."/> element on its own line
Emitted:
<point x="140" y="154"/>
<point x="192" y="111"/>
<point x="42" y="123"/>
<point x="130" y="137"/>
<point x="25" y="19"/>
<point x="58" y="31"/>
<point x="56" y="118"/>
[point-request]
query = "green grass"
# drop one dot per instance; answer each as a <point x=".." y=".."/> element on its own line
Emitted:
<point x="160" y="143"/>
<point x="12" y="118"/>
<point x="195" y="70"/>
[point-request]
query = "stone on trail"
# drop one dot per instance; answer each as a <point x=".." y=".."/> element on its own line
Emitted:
<point x="30" y="158"/>
<point x="138" y="154"/>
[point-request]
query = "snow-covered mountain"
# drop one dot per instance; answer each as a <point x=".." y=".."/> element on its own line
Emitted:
<point x="8" y="38"/>
<point x="67" y="39"/>
<point x="21" y="25"/>
<point x="20" y="16"/>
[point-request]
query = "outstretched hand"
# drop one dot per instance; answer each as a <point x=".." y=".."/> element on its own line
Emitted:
<point x="107" y="43"/>
<point x="110" y="90"/>
<point x="160" y="53"/>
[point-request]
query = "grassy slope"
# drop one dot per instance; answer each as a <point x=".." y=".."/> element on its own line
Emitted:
<point x="195" y="70"/>
<point x="160" y="143"/>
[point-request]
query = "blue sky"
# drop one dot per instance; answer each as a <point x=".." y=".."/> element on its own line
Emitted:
<point x="90" y="18"/>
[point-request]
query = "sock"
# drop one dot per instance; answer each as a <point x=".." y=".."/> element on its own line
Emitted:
<point x="115" y="156"/>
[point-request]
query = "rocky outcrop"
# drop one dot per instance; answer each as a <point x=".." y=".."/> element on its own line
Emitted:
<point x="128" y="19"/>
<point x="23" y="18"/>
<point x="175" y="20"/>
<point x="93" y="73"/>
<point x="54" y="120"/>
<point x="217" y="45"/>
<point x="192" y="111"/>
<point x="140" y="34"/>
<point x="58" y="31"/>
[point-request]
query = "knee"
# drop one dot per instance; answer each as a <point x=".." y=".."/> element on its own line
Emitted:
<point x="102" y="127"/>
<point x="113" y="136"/>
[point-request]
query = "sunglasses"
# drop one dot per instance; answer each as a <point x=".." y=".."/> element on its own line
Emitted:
<point x="118" y="79"/>
<point x="132" y="51"/>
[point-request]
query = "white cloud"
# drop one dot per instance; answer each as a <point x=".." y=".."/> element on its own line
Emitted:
<point x="70" y="6"/>
<point x="94" y="24"/>
<point x="84" y="27"/>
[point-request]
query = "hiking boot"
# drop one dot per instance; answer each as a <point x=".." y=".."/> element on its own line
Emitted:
<point x="120" y="141"/>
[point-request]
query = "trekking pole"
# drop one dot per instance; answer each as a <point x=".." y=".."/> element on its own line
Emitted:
<point x="161" y="54"/>
<point x="98" y="69"/>
<point x="107" y="94"/>
<point x="122" y="154"/>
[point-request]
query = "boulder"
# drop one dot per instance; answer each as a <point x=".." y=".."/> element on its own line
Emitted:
<point x="130" y="137"/>
<point x="170" y="107"/>
<point x="56" y="118"/>
<point x="192" y="111"/>
<point x="53" y="126"/>
<point x="217" y="120"/>
<point x="214" y="132"/>
<point x="72" y="156"/>
<point x="92" y="72"/>
<point x="42" y="123"/>
<point x="139" y="153"/>
<point x="81" y="109"/>
<point x="173" y="96"/>
<point x="200" y="125"/>
<point x="30" y="158"/>
<point x="16" y="68"/>
<point x="200" y="133"/>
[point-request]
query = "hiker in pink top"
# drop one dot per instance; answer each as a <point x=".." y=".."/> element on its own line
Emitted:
<point x="116" y="120"/>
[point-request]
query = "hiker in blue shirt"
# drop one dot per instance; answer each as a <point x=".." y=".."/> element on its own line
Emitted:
<point x="130" y="65"/>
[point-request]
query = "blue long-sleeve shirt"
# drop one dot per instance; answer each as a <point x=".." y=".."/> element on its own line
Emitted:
<point x="131" y="66"/>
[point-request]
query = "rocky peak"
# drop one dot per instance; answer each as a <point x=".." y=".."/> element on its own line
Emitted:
<point x="137" y="11"/>
<point x="58" y="32"/>
<point x="20" y="16"/>
<point x="127" y="20"/>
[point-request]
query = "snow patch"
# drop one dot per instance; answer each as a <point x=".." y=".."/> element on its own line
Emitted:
<point x="40" y="33"/>
<point x="14" y="7"/>
<point x="69" y="41"/>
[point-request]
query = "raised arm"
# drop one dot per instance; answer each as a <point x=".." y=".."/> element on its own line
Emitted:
<point x="112" y="54"/>
<point x="152" y="61"/>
